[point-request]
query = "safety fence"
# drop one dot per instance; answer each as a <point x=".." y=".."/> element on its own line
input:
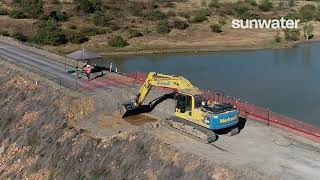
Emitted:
<point x="254" y="112"/>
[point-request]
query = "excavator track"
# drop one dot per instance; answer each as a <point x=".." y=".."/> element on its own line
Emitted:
<point x="190" y="129"/>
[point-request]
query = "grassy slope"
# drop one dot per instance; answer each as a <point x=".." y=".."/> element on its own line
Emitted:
<point x="198" y="37"/>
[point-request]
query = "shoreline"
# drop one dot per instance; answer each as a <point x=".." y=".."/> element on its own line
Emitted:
<point x="194" y="49"/>
<point x="177" y="50"/>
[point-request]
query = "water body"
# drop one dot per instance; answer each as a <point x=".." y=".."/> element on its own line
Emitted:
<point x="284" y="80"/>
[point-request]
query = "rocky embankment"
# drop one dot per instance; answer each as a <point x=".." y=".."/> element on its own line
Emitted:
<point x="40" y="139"/>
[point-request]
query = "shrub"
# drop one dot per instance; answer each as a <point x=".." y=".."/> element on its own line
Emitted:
<point x="19" y="36"/>
<point x="4" y="11"/>
<point x="31" y="8"/>
<point x="17" y="13"/>
<point x="291" y="34"/>
<point x="222" y="21"/>
<point x="200" y="16"/>
<point x="249" y="15"/>
<point x="163" y="27"/>
<point x="134" y="33"/>
<point x="293" y="15"/>
<point x="214" y="4"/>
<point x="76" y="36"/>
<point x="135" y="8"/>
<point x="171" y="13"/>
<point x="154" y="15"/>
<point x="92" y="31"/>
<point x="281" y="5"/>
<point x="266" y="5"/>
<point x="4" y="32"/>
<point x="277" y="37"/>
<point x="87" y="6"/>
<point x="32" y="141"/>
<point x="118" y="41"/>
<point x="101" y="19"/>
<point x="251" y="2"/>
<point x="57" y="15"/>
<point x="291" y="3"/>
<point x="180" y="24"/>
<point x="216" y="28"/>
<point x="49" y="33"/>
<point x="184" y="14"/>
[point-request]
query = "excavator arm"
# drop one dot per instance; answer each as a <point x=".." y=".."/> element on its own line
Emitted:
<point x="161" y="80"/>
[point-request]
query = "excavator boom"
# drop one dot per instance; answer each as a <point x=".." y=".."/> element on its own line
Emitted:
<point x="160" y="80"/>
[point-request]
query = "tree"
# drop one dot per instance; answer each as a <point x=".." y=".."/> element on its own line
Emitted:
<point x="308" y="12"/>
<point x="48" y="32"/>
<point x="308" y="30"/>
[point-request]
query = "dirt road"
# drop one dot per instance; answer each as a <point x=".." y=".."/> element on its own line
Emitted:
<point x="265" y="149"/>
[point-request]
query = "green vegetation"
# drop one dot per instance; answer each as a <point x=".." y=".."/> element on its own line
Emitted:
<point x="57" y="15"/>
<point x="216" y="28"/>
<point x="307" y="12"/>
<point x="17" y="13"/>
<point x="49" y="33"/>
<point x="214" y="4"/>
<point x="4" y="11"/>
<point x="180" y="24"/>
<point x="87" y="6"/>
<point x="266" y="5"/>
<point x="154" y="15"/>
<point x="92" y="31"/>
<point x="101" y="19"/>
<point x="291" y="34"/>
<point x="163" y="27"/>
<point x="53" y="25"/>
<point x="4" y="32"/>
<point x="76" y="36"/>
<point x="118" y="41"/>
<point x="200" y="17"/>
<point x="277" y="37"/>
<point x="307" y="31"/>
<point x="134" y="33"/>
<point x="27" y="8"/>
<point x="19" y="36"/>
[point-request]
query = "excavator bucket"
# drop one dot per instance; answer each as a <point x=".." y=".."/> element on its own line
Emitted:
<point x="130" y="109"/>
<point x="126" y="109"/>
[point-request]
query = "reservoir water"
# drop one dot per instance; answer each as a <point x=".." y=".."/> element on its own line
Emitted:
<point x="284" y="80"/>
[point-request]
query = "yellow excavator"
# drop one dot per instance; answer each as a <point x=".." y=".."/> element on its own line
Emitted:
<point x="193" y="114"/>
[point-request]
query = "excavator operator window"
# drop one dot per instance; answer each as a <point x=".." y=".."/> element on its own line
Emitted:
<point x="184" y="103"/>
